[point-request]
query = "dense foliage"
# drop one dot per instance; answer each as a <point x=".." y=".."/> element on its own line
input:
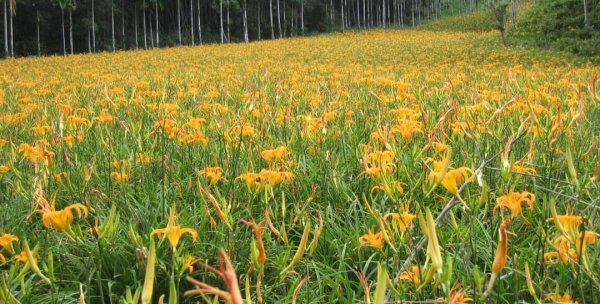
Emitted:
<point x="561" y="25"/>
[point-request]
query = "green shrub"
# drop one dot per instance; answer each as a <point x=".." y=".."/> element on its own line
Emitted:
<point x="560" y="25"/>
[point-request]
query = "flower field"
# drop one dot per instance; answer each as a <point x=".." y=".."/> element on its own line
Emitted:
<point x="367" y="166"/>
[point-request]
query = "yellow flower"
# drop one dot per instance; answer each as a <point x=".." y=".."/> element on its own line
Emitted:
<point x="454" y="178"/>
<point x="6" y="241"/>
<point x="568" y="223"/>
<point x="457" y="296"/>
<point x="2" y="259"/>
<point x="36" y="154"/>
<point x="413" y="275"/>
<point x="173" y="231"/>
<point x="212" y="174"/>
<point x="188" y="264"/>
<point x="407" y="128"/>
<point x="372" y="239"/>
<point x="513" y="201"/>
<point x="561" y="299"/>
<point x="521" y="169"/>
<point x="60" y="220"/>
<point x="377" y="164"/>
<point x="251" y="179"/>
<point x="402" y="221"/>
<point x="143" y="159"/>
<point x="120" y="177"/>
<point x="22" y="257"/>
<point x="389" y="188"/>
<point x="274" y="177"/>
<point x="563" y="252"/>
<point x="276" y="154"/>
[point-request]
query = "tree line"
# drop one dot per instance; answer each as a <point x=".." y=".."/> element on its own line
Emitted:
<point x="37" y="27"/>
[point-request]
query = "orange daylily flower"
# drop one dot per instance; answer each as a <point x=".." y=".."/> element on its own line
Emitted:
<point x="513" y="201"/>
<point x="457" y="296"/>
<point x="378" y="163"/>
<point x="36" y="153"/>
<point x="173" y="231"/>
<point x="561" y="299"/>
<point x="120" y="177"/>
<point x="276" y="154"/>
<point x="413" y="275"/>
<point x="372" y="239"/>
<point x="251" y="179"/>
<point x="568" y="223"/>
<point x="6" y="241"/>
<point x="188" y="264"/>
<point x="402" y="221"/>
<point x="212" y="174"/>
<point x="22" y="257"/>
<point x="563" y="252"/>
<point x="60" y="220"/>
<point x="454" y="178"/>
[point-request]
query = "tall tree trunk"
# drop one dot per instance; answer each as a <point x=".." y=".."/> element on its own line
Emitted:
<point x="279" y="19"/>
<point x="364" y="14"/>
<point x="135" y="21"/>
<point x="343" y="19"/>
<point x="93" y="29"/>
<point x="112" y="23"/>
<point x="258" y="18"/>
<point x="228" y="22"/>
<point x="71" y="28"/>
<point x="199" y="24"/>
<point x="585" y="14"/>
<point x="513" y="12"/>
<point x="192" y="21"/>
<point x="221" y="20"/>
<point x="357" y="13"/>
<point x="302" y="15"/>
<point x="245" y="21"/>
<point x="271" y="16"/>
<point x="151" y="31"/>
<point x="12" y="36"/>
<point x="412" y="11"/>
<point x="62" y="19"/>
<point x="331" y="11"/>
<point x="37" y="30"/>
<point x="123" y="24"/>
<point x="384" y="14"/>
<point x="144" y="25"/>
<point x="157" y="30"/>
<point x="401" y="12"/>
<point x="284" y="21"/>
<point x="6" y="53"/>
<point x="179" y="21"/>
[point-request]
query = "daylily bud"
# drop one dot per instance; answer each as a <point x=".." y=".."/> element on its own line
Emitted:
<point x="300" y="250"/>
<point x="149" y="278"/>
